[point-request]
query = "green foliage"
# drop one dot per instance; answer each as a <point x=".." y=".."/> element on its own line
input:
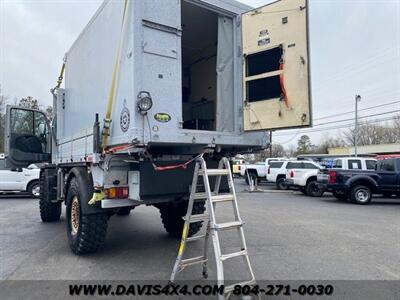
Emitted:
<point x="304" y="145"/>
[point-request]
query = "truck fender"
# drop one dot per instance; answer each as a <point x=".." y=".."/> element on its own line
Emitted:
<point x="310" y="177"/>
<point x="252" y="171"/>
<point x="362" y="179"/>
<point x="85" y="181"/>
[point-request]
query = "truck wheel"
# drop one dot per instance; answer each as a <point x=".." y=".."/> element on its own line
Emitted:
<point x="340" y="196"/>
<point x="86" y="233"/>
<point x="34" y="189"/>
<point x="49" y="211"/>
<point x="303" y="190"/>
<point x="360" y="194"/>
<point x="281" y="184"/>
<point x="172" y="217"/>
<point x="125" y="211"/>
<point x="313" y="190"/>
<point x="253" y="177"/>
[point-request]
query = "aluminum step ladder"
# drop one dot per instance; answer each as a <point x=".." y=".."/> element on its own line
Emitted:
<point x="213" y="198"/>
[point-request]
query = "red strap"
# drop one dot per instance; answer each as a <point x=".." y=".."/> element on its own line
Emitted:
<point x="282" y="81"/>
<point x="173" y="167"/>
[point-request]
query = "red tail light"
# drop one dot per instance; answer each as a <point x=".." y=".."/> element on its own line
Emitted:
<point x="239" y="168"/>
<point x="291" y="173"/>
<point x="117" y="192"/>
<point x="332" y="177"/>
<point x="269" y="170"/>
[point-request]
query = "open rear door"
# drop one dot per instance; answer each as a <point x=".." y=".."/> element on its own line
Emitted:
<point x="276" y="66"/>
<point x="27" y="137"/>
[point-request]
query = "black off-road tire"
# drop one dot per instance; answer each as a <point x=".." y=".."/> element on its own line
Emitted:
<point x="49" y="211"/>
<point x="125" y="211"/>
<point x="340" y="196"/>
<point x="360" y="194"/>
<point x="172" y="213"/>
<point x="281" y="184"/>
<point x="91" y="231"/>
<point x="313" y="190"/>
<point x="303" y="190"/>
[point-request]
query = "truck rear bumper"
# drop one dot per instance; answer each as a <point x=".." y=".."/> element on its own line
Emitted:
<point x="322" y="187"/>
<point x="116" y="203"/>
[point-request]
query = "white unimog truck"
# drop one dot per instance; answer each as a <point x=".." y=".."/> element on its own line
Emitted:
<point x="150" y="85"/>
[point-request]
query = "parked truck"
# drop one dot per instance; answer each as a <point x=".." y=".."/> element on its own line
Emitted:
<point x="150" y="85"/>
<point x="258" y="171"/>
<point x="359" y="186"/>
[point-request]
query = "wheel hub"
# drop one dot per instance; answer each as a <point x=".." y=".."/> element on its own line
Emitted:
<point x="75" y="215"/>
<point x="36" y="190"/>
<point x="362" y="195"/>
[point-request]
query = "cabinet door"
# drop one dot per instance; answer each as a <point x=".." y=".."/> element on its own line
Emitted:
<point x="276" y="62"/>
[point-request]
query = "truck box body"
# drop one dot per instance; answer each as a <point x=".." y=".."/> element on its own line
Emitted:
<point x="186" y="54"/>
<point x="152" y="61"/>
<point x="151" y="86"/>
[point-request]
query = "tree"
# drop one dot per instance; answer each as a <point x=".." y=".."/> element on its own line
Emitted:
<point x="304" y="145"/>
<point x="291" y="151"/>
<point x="327" y="143"/>
<point x="49" y="112"/>
<point x="373" y="134"/>
<point x="396" y="125"/>
<point x="29" y="102"/>
<point x="278" y="150"/>
<point x="3" y="101"/>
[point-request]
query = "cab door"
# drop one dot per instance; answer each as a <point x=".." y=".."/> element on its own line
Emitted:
<point x="27" y="137"/>
<point x="276" y="66"/>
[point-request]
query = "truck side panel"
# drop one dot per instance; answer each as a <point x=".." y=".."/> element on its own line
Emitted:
<point x="89" y="68"/>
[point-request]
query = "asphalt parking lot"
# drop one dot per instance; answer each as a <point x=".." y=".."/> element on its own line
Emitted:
<point x="290" y="237"/>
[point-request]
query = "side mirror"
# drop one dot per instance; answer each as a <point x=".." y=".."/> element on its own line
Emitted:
<point x="26" y="138"/>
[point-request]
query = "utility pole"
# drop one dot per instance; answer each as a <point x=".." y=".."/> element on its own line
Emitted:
<point x="358" y="99"/>
<point x="270" y="143"/>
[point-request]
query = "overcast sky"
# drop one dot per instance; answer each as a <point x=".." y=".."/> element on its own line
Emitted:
<point x="355" y="49"/>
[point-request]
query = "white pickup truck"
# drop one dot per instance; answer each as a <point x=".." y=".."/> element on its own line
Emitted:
<point x="258" y="171"/>
<point x="19" y="179"/>
<point x="303" y="174"/>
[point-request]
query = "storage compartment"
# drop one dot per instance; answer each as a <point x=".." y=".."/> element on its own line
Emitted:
<point x="207" y="64"/>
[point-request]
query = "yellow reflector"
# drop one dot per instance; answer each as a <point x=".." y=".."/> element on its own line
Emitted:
<point x="112" y="193"/>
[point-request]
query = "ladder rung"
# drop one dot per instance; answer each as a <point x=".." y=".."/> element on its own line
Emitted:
<point x="197" y="218"/>
<point x="228" y="225"/>
<point x="193" y="261"/>
<point x="195" y="238"/>
<point x="222" y="198"/>
<point x="215" y="172"/>
<point x="230" y="288"/>
<point x="198" y="196"/>
<point x="233" y="255"/>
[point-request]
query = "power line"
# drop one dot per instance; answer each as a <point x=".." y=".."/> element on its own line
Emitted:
<point x="338" y="127"/>
<point x="362" y="117"/>
<point x="350" y="112"/>
<point x="345" y="120"/>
